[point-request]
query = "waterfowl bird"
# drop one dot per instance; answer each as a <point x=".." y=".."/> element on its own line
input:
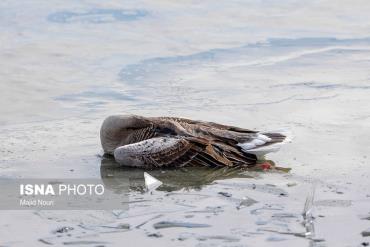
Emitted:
<point x="152" y="142"/>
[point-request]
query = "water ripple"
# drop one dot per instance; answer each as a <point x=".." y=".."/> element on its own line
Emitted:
<point x="271" y="52"/>
<point x="320" y="85"/>
<point x="96" y="16"/>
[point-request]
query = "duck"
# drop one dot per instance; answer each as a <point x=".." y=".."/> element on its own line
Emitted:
<point x="163" y="142"/>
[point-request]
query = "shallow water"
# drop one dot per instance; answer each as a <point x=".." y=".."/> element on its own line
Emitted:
<point x="260" y="65"/>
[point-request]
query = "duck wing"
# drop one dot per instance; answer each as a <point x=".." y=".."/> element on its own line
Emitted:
<point x="175" y="152"/>
<point x="189" y="122"/>
<point x="246" y="141"/>
<point x="234" y="138"/>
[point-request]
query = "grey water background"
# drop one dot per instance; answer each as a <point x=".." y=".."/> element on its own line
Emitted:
<point x="302" y="66"/>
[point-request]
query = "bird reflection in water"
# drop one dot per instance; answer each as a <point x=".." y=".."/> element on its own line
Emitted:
<point x="117" y="177"/>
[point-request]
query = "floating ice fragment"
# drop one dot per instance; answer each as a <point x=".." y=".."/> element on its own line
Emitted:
<point x="151" y="183"/>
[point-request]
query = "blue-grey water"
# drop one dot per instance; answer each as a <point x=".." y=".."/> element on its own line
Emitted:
<point x="301" y="66"/>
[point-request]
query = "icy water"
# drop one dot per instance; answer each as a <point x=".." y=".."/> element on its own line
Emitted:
<point x="265" y="65"/>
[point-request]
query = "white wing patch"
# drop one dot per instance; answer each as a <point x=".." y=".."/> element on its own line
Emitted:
<point x="258" y="140"/>
<point x="256" y="147"/>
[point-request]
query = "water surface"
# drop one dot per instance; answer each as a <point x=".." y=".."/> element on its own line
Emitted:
<point x="65" y="66"/>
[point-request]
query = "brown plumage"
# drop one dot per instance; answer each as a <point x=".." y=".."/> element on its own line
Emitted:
<point x="151" y="142"/>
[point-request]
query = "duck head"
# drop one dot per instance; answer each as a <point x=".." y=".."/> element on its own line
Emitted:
<point x="118" y="130"/>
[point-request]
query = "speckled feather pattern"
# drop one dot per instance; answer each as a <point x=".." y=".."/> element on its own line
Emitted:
<point x="175" y="142"/>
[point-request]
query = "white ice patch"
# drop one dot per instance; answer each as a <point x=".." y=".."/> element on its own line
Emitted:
<point x="151" y="183"/>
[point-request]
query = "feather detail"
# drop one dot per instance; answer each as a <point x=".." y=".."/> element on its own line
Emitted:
<point x="177" y="142"/>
